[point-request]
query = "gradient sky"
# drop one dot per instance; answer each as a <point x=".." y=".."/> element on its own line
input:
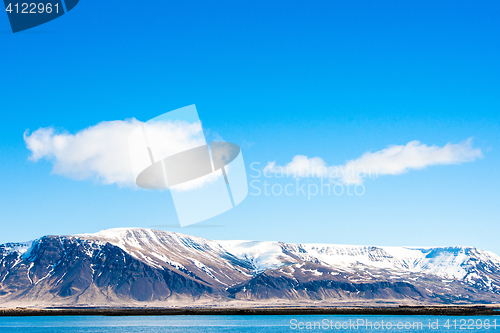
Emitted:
<point x="332" y="79"/>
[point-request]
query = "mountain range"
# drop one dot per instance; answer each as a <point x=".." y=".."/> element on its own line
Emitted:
<point x="146" y="267"/>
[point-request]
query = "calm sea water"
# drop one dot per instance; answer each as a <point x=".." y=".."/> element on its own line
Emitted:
<point x="309" y="323"/>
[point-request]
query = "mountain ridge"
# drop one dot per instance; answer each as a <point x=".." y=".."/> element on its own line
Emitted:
<point x="142" y="267"/>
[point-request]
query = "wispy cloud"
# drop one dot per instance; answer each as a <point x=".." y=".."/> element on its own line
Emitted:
<point x="393" y="160"/>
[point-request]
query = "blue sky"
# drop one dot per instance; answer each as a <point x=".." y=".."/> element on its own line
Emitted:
<point x="279" y="78"/>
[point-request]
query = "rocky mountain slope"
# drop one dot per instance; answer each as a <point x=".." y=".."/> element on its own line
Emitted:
<point x="137" y="267"/>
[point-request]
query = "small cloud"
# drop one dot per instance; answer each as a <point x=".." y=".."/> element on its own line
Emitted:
<point x="247" y="144"/>
<point x="213" y="136"/>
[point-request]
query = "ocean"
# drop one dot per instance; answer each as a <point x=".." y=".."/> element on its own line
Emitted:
<point x="248" y="323"/>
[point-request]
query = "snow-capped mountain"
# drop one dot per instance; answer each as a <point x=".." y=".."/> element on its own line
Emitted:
<point x="128" y="267"/>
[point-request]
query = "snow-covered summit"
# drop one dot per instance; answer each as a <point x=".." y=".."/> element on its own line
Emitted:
<point x="146" y="263"/>
<point x="448" y="262"/>
<point x="456" y="262"/>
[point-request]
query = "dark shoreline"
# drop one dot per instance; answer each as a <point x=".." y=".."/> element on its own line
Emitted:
<point x="402" y="310"/>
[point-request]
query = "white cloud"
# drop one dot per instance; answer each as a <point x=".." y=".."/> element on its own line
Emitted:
<point x="393" y="160"/>
<point x="101" y="152"/>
